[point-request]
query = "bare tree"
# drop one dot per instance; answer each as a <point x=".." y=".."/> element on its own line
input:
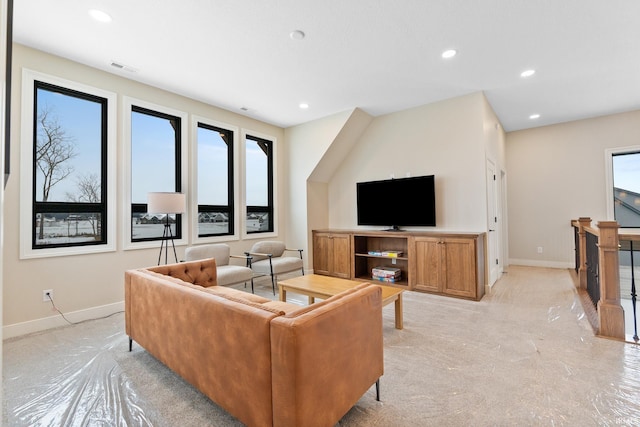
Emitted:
<point x="53" y="149"/>
<point x="88" y="192"/>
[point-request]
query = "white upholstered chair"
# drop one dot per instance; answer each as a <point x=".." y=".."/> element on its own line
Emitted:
<point x="228" y="274"/>
<point x="268" y="258"/>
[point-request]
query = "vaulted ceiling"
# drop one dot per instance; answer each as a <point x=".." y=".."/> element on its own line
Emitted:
<point x="263" y="58"/>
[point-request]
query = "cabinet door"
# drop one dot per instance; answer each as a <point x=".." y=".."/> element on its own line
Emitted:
<point x="460" y="267"/>
<point x="428" y="258"/>
<point x="332" y="254"/>
<point x="341" y="258"/>
<point x="322" y="253"/>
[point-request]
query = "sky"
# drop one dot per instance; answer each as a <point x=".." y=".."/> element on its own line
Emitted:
<point x="152" y="154"/>
<point x="626" y="171"/>
<point x="80" y="120"/>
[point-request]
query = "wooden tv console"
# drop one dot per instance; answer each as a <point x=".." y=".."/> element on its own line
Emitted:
<point x="451" y="264"/>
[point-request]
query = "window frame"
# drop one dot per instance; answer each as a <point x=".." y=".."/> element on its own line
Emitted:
<point x="128" y="105"/>
<point x="233" y="179"/>
<point x="27" y="166"/>
<point x="609" y="154"/>
<point x="272" y="187"/>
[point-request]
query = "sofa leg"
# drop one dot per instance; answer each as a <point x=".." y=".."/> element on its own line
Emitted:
<point x="378" y="390"/>
<point x="130" y="343"/>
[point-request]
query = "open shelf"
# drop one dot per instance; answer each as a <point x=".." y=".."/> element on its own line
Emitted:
<point x="364" y="262"/>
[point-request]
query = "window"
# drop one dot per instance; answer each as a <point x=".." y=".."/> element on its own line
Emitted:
<point x="156" y="154"/>
<point x="215" y="180"/>
<point x="625" y="187"/>
<point x="67" y="185"/>
<point x="259" y="189"/>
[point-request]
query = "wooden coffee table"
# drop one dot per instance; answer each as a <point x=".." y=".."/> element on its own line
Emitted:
<point x="318" y="286"/>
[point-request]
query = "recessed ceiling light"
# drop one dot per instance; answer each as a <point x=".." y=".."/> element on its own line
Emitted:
<point x="99" y="15"/>
<point x="527" y="73"/>
<point x="296" y="35"/>
<point x="449" y="53"/>
<point x="303" y="105"/>
<point x="534" y="116"/>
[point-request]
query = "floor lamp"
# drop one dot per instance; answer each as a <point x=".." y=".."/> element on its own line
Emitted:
<point x="166" y="203"/>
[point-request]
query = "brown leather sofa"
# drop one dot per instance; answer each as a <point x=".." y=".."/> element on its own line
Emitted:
<point x="268" y="363"/>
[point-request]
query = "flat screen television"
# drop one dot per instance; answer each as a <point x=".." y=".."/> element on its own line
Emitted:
<point x="398" y="202"/>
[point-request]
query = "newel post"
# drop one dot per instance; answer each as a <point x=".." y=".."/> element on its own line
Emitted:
<point x="610" y="312"/>
<point x="583" y="222"/>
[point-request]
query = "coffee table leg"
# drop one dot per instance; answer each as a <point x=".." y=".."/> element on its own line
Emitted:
<point x="398" y="307"/>
<point x="311" y="300"/>
<point x="283" y="293"/>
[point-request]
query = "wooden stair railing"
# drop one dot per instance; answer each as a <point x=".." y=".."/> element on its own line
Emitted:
<point x="610" y="311"/>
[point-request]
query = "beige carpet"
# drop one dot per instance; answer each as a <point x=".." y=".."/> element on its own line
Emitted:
<point x="524" y="355"/>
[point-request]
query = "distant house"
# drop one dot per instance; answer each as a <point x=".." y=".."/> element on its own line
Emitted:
<point x="156" y="218"/>
<point x="626" y="207"/>
<point x="257" y="221"/>
<point x="213" y="217"/>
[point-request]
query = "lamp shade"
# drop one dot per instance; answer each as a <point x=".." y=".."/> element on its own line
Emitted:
<point x="167" y="203"/>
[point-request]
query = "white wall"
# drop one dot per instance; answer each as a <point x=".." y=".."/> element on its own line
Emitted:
<point x="307" y="144"/>
<point x="316" y="149"/>
<point x="88" y="285"/>
<point x="444" y="139"/>
<point x="556" y="174"/>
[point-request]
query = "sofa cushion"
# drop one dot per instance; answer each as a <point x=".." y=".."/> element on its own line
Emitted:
<point x="235" y="293"/>
<point x="285" y="307"/>
<point x="265" y="307"/>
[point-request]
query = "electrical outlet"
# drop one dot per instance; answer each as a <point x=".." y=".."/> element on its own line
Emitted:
<point x="539" y="249"/>
<point x="47" y="295"/>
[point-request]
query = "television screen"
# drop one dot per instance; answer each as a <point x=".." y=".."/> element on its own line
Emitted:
<point x="397" y="202"/>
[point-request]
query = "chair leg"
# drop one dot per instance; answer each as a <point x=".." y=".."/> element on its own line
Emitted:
<point x="252" y="286"/>
<point x="273" y="283"/>
<point x="130" y="344"/>
<point x="378" y="390"/>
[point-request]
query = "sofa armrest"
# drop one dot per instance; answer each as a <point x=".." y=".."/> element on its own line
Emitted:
<point x="325" y="359"/>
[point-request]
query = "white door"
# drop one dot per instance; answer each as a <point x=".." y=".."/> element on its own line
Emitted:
<point x="493" y="236"/>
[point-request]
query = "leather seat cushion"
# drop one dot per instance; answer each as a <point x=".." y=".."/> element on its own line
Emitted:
<point x="235" y="293"/>
<point x="285" y="307"/>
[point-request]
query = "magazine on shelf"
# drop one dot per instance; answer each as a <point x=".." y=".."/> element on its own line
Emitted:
<point x="392" y="254"/>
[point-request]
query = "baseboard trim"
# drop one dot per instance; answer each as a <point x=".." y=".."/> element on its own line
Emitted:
<point x="537" y="263"/>
<point x="55" y="321"/>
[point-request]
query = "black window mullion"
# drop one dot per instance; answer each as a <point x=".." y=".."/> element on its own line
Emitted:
<point x="227" y="137"/>
<point x="141" y="208"/>
<point x="70" y="208"/>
